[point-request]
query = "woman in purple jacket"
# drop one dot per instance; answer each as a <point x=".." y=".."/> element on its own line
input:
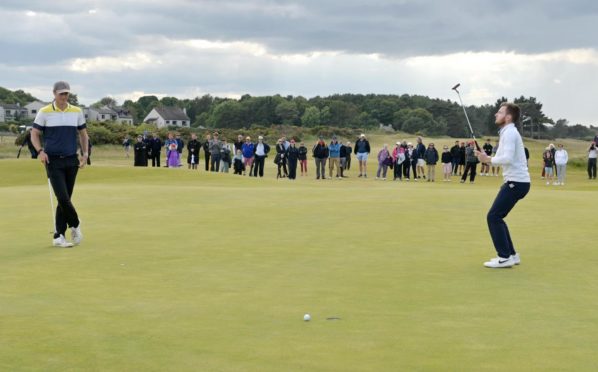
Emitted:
<point x="383" y="161"/>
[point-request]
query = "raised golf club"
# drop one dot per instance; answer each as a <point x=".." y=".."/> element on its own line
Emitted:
<point x="455" y="88"/>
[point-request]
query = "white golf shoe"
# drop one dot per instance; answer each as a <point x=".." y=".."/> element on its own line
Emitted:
<point x="61" y="242"/>
<point x="516" y="259"/>
<point x="499" y="262"/>
<point x="76" y="234"/>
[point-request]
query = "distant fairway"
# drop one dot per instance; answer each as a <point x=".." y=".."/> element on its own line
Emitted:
<point x="190" y="271"/>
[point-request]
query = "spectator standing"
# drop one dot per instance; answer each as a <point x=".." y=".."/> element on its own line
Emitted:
<point x="260" y="154"/>
<point x="281" y="159"/>
<point x="343" y="158"/>
<point x="471" y="163"/>
<point x="303" y="159"/>
<point x="592" y="155"/>
<point x="172" y="156"/>
<point x="412" y="155"/>
<point x="455" y="156"/>
<point x="193" y="152"/>
<point x="292" y="157"/>
<point x="180" y="145"/>
<point x="398" y="156"/>
<point x="140" y="151"/>
<point x="320" y="155"/>
<point x="248" y="149"/>
<point x="334" y="150"/>
<point x="362" y="150"/>
<point x="215" y="152"/>
<point x="485" y="168"/>
<point x="238" y="164"/>
<point x="407" y="162"/>
<point x="561" y="158"/>
<point x="420" y="150"/>
<point x="447" y="164"/>
<point x="155" y="150"/>
<point x="383" y="162"/>
<point x="548" y="165"/>
<point x="431" y="158"/>
<point x="206" y="151"/>
<point x="225" y="156"/>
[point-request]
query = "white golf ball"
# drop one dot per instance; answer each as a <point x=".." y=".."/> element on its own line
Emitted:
<point x="307" y="317"/>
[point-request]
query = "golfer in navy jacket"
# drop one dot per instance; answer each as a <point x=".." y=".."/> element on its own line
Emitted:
<point x="511" y="156"/>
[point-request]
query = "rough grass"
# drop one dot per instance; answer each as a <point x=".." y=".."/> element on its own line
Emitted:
<point x="188" y="271"/>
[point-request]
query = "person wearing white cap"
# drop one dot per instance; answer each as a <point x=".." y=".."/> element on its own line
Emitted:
<point x="60" y="122"/>
<point x="261" y="150"/>
<point x="362" y="150"/>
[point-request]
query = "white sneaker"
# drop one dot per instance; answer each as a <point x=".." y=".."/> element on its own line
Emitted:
<point x="516" y="259"/>
<point x="61" y="242"/>
<point x="499" y="262"/>
<point x="76" y="234"/>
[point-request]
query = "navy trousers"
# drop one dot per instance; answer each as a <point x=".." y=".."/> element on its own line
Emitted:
<point x="510" y="193"/>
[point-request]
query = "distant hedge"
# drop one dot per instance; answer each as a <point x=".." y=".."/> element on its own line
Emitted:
<point x="114" y="133"/>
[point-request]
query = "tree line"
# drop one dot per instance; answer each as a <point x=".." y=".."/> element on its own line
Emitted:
<point x="408" y="113"/>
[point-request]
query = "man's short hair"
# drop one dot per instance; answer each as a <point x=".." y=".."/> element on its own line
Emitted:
<point x="513" y="110"/>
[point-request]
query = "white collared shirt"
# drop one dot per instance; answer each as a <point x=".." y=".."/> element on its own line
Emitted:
<point x="511" y="155"/>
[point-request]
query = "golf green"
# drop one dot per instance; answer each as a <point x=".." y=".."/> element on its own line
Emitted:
<point x="194" y="271"/>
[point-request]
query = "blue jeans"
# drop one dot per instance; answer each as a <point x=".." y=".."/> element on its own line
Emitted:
<point x="510" y="193"/>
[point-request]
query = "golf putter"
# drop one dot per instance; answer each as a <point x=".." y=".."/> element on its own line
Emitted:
<point x="455" y="88"/>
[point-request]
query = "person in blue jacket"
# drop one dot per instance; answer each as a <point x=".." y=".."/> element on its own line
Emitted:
<point x="334" y="157"/>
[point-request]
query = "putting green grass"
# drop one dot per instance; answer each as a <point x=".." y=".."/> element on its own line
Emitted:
<point x="190" y="271"/>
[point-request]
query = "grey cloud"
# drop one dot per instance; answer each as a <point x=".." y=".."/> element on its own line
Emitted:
<point x="394" y="28"/>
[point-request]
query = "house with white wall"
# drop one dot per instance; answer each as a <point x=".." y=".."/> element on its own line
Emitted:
<point x="34" y="107"/>
<point x="168" y="116"/>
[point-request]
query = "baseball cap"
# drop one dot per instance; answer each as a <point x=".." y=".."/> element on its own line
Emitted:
<point x="61" y="87"/>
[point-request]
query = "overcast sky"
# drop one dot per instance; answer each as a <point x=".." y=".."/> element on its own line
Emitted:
<point x="129" y="48"/>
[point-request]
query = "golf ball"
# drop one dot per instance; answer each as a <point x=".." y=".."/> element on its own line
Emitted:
<point x="307" y="317"/>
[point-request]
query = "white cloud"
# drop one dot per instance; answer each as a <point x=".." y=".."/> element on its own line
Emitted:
<point x="132" y="61"/>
